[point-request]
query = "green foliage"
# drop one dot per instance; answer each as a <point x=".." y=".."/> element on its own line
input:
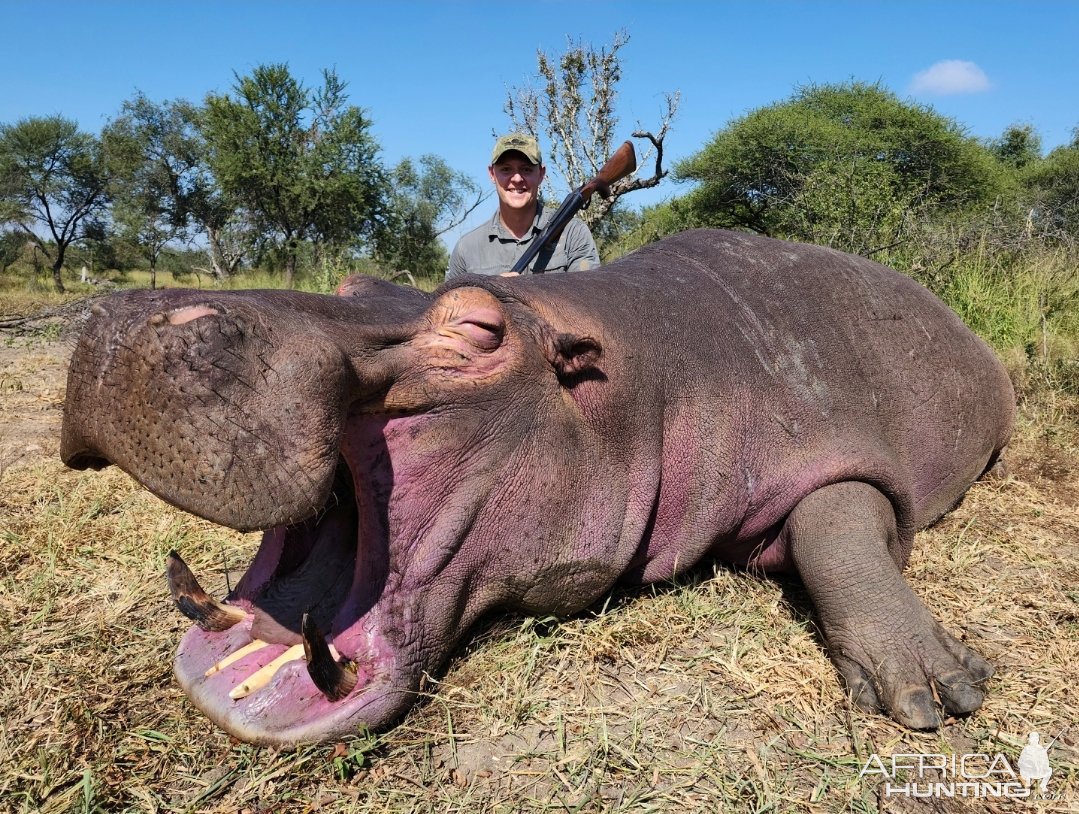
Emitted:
<point x="1054" y="186"/>
<point x="1019" y="146"/>
<point x="301" y="163"/>
<point x="54" y="178"/>
<point x="428" y="199"/>
<point x="1032" y="303"/>
<point x="12" y="243"/>
<point x="848" y="165"/>
<point x="647" y="226"/>
<point x="153" y="153"/>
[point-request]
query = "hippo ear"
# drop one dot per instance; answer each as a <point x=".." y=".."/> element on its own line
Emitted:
<point x="572" y="355"/>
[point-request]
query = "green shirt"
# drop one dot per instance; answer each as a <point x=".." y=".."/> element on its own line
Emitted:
<point x="492" y="249"/>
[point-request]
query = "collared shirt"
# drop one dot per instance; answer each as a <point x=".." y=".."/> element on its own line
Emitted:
<point x="492" y="249"/>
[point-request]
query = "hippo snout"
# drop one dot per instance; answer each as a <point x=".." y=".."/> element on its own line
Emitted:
<point x="199" y="397"/>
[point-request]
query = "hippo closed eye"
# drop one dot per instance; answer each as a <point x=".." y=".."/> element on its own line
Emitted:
<point x="416" y="460"/>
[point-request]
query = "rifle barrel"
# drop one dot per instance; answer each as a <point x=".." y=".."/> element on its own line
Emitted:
<point x="549" y="237"/>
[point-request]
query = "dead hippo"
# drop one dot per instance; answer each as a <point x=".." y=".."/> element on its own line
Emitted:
<point x="416" y="460"/>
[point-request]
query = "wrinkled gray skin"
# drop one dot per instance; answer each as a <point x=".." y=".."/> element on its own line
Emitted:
<point x="417" y="460"/>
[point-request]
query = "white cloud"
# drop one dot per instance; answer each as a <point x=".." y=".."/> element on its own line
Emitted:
<point x="951" y="76"/>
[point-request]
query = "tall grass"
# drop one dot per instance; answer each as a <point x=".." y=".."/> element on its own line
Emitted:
<point x="1031" y="304"/>
<point x="1026" y="305"/>
<point x="23" y="292"/>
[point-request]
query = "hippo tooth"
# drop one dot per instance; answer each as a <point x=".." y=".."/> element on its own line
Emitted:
<point x="334" y="678"/>
<point x="250" y="647"/>
<point x="261" y="677"/>
<point x="195" y="603"/>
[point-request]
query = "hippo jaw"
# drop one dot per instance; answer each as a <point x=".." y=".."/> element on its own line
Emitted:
<point x="330" y="571"/>
<point x="371" y="492"/>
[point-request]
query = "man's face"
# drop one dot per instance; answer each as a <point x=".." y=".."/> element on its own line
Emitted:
<point x="516" y="179"/>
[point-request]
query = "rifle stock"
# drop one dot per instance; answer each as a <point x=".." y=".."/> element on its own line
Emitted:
<point x="618" y="166"/>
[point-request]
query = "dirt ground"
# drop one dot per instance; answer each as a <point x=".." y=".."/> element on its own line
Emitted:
<point x="710" y="694"/>
<point x="33" y="374"/>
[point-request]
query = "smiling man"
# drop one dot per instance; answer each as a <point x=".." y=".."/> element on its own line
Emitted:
<point x="517" y="171"/>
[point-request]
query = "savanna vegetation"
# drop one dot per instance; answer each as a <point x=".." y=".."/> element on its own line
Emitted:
<point x="708" y="694"/>
<point x="275" y="183"/>
<point x="988" y="225"/>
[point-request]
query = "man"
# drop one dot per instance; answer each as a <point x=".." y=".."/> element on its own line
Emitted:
<point x="517" y="171"/>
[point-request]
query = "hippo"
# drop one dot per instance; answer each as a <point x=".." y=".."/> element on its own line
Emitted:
<point x="416" y="460"/>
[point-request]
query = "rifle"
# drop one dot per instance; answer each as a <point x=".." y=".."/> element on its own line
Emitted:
<point x="618" y="166"/>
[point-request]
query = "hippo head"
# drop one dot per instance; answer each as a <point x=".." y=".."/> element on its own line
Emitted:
<point x="399" y="451"/>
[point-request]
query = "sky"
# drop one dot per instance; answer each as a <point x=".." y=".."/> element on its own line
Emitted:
<point x="433" y="76"/>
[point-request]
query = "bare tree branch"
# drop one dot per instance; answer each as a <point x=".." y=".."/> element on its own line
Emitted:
<point x="574" y="107"/>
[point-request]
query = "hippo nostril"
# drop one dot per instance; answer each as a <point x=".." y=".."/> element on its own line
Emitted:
<point x="86" y="460"/>
<point x="189" y="313"/>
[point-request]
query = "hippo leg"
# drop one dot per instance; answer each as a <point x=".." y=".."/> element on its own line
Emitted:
<point x="891" y="652"/>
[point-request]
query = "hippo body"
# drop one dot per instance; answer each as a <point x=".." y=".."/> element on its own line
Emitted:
<point x="416" y="460"/>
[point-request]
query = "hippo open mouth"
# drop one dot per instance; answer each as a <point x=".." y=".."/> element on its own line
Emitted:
<point x="296" y="646"/>
<point x="322" y="635"/>
<point x="301" y="645"/>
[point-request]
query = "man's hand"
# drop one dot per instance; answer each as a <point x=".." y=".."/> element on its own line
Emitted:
<point x="509" y="274"/>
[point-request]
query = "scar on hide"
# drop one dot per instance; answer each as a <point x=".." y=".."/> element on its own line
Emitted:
<point x="190" y="312"/>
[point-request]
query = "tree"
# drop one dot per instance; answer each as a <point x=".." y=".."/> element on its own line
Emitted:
<point x="12" y="243"/>
<point x="1054" y="184"/>
<point x="575" y="109"/>
<point x="652" y="223"/>
<point x="1019" y="146"/>
<point x="154" y="155"/>
<point x="848" y="165"/>
<point x="301" y="163"/>
<point x="51" y="177"/>
<point x="428" y="199"/>
<point x="168" y="173"/>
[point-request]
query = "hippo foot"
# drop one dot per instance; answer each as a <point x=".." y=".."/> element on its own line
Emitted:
<point x="906" y="676"/>
<point x="891" y="653"/>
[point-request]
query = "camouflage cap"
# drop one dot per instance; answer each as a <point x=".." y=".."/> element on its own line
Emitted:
<point x="522" y="143"/>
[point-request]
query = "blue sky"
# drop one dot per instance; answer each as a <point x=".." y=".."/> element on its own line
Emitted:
<point x="433" y="75"/>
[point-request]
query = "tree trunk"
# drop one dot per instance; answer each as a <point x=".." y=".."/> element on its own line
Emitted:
<point x="225" y="258"/>
<point x="290" y="269"/>
<point x="153" y="276"/>
<point x="56" y="266"/>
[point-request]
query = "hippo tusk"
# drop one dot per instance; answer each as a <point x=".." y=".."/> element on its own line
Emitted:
<point x="194" y="603"/>
<point x="250" y="647"/>
<point x="334" y="678"/>
<point x="261" y="677"/>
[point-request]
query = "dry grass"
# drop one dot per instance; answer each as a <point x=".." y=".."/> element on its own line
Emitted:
<point x="710" y="694"/>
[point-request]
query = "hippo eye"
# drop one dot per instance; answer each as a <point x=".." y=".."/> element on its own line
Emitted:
<point x="482" y="327"/>
<point x="482" y="334"/>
